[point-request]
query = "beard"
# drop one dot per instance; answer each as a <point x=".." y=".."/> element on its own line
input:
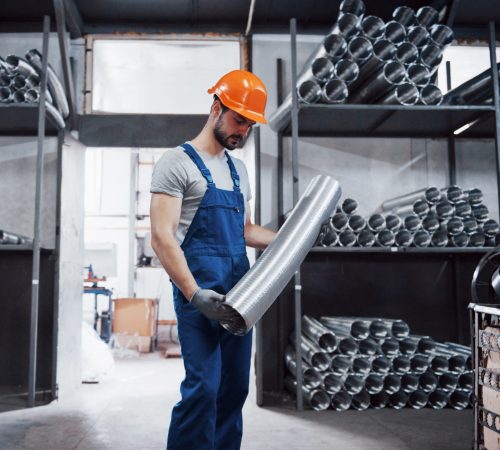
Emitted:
<point x="230" y="141"/>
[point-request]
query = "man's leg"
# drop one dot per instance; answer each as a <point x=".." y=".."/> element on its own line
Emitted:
<point x="193" y="419"/>
<point x="235" y="353"/>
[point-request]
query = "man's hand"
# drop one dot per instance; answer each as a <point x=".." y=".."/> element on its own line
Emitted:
<point x="210" y="304"/>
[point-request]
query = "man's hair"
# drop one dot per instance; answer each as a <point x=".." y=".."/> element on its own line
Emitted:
<point x="224" y="107"/>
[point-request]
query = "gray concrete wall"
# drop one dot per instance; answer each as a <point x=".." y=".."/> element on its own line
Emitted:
<point x="369" y="170"/>
<point x="70" y="266"/>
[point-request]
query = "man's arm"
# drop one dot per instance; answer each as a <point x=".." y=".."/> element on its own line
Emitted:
<point x="165" y="216"/>
<point x="255" y="235"/>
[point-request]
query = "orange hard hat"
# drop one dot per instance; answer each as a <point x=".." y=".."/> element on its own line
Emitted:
<point x="242" y="92"/>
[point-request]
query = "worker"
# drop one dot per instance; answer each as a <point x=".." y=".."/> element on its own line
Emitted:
<point x="200" y="225"/>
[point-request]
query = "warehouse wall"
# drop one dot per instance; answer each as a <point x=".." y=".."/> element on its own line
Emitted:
<point x="369" y="170"/>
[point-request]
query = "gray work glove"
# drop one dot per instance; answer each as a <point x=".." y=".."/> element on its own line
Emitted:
<point x="209" y="303"/>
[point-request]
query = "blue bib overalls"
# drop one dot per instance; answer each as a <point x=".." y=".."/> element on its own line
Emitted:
<point x="217" y="363"/>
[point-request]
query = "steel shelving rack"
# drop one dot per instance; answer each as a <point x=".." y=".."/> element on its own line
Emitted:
<point x="372" y="120"/>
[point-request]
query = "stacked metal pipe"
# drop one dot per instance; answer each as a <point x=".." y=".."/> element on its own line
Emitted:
<point x="8" y="238"/>
<point x="431" y="217"/>
<point x="20" y="83"/>
<point x="363" y="59"/>
<point x="356" y="362"/>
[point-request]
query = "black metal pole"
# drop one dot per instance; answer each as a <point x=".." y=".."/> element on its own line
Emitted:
<point x="496" y="100"/>
<point x="66" y="66"/>
<point x="279" y="83"/>
<point x="452" y="160"/>
<point x="35" y="278"/>
<point x="295" y="175"/>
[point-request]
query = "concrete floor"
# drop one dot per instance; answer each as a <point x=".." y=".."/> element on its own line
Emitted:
<point x="131" y="410"/>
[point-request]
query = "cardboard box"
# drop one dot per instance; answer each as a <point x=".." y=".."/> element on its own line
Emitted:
<point x="134" y="316"/>
<point x="137" y="343"/>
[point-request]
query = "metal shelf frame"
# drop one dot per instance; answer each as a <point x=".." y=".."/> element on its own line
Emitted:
<point x="378" y="121"/>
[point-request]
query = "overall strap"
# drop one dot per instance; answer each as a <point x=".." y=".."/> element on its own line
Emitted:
<point x="234" y="174"/>
<point x="191" y="152"/>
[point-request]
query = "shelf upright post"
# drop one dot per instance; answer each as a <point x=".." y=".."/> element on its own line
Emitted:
<point x="295" y="175"/>
<point x="496" y="100"/>
<point x="279" y="90"/>
<point x="35" y="278"/>
<point x="452" y="169"/>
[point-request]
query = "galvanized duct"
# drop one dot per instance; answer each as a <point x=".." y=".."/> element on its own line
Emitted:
<point x="395" y="32"/>
<point x="361" y="401"/>
<point x="398" y="400"/>
<point x="418" y="36"/>
<point x="312" y="353"/>
<point x="374" y="384"/>
<point x="346" y="70"/>
<point x="418" y="399"/>
<point x="335" y="91"/>
<point x="406" y="94"/>
<point x="418" y="74"/>
<point x="359" y="49"/>
<point x="340" y="364"/>
<point x="379" y="401"/>
<point x="441" y="35"/>
<point x="407" y="53"/>
<point x="373" y="28"/>
<point x="356" y="7"/>
<point x="358" y="329"/>
<point x="310" y="378"/>
<point x="8" y="238"/>
<point x="426" y="16"/>
<point x="438" y="399"/>
<point x="259" y="288"/>
<point x="401" y="365"/>
<point x="404" y="15"/>
<point x="392" y="384"/>
<point x="317" y="399"/>
<point x="431" y="95"/>
<point x="319" y="334"/>
<point x="431" y="56"/>
<point x="361" y="365"/>
<point x="341" y="401"/>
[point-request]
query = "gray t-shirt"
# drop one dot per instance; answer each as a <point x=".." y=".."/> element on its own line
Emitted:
<point x="176" y="174"/>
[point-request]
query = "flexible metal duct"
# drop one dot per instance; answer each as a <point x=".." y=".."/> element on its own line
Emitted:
<point x="460" y="240"/>
<point x="340" y="221"/>
<point x="372" y="27"/>
<point x="347" y="71"/>
<point x="318" y="333"/>
<point x="54" y="115"/>
<point x="18" y="96"/>
<point x="340" y="364"/>
<point x="418" y="399"/>
<point x="439" y="364"/>
<point x="418" y="74"/>
<point x="425" y="344"/>
<point x="353" y="384"/>
<point x="430" y="223"/>
<point x="418" y="36"/>
<point x="310" y="378"/>
<point x="490" y="228"/>
<point x="341" y="401"/>
<point x="408" y="346"/>
<point x="349" y="206"/>
<point x="356" y="223"/>
<point x="401" y="365"/>
<point x="5" y="80"/>
<point x="386" y="78"/>
<point x="312" y="353"/>
<point x="358" y="329"/>
<point x="463" y="209"/>
<point x="347" y="238"/>
<point x="427" y="382"/>
<point x="20" y="66"/>
<point x="454" y="194"/>
<point x="389" y="347"/>
<point x="412" y="222"/>
<point x="379" y="401"/>
<point x="395" y="32"/>
<point x="399" y="329"/>
<point x="458" y="399"/>
<point x="438" y="399"/>
<point x="392" y="384"/>
<point x="381" y="365"/>
<point x="455" y="226"/>
<point x="376" y="222"/>
<point x="403" y="238"/>
<point x="368" y="347"/>
<point x="55" y="87"/>
<point x="366" y="239"/>
<point x="31" y="96"/>
<point x="5" y="95"/>
<point x="8" y="238"/>
<point x="419" y="363"/>
<point x="474" y="196"/>
<point x="385" y="238"/>
<point x="404" y="15"/>
<point x="331" y="383"/>
<point x="440" y="239"/>
<point x="335" y="91"/>
<point x="356" y="7"/>
<point x="359" y="49"/>
<point x="334" y="47"/>
<point x="317" y="399"/>
<point x="431" y="56"/>
<point x="448" y="382"/>
<point x="261" y="285"/>
<point x="431" y="95"/>
<point x="309" y="92"/>
<point x="480" y="212"/>
<point x="426" y="16"/>
<point x="19" y="82"/>
<point x="328" y="236"/>
<point x="441" y="35"/>
<point x="398" y="400"/>
<point x="361" y="401"/>
<point x="444" y="209"/>
<point x="361" y="365"/>
<point x="409" y="383"/>
<point x="431" y="194"/>
<point x="407" y="53"/>
<point x="406" y="94"/>
<point x="374" y="384"/>
<point x="466" y="381"/>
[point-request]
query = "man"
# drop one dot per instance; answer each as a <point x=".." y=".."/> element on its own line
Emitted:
<point x="200" y="222"/>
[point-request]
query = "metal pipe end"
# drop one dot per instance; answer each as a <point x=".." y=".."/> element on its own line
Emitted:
<point x="356" y="7"/>
<point x="431" y="56"/>
<point x="373" y="27"/>
<point x="395" y="32"/>
<point x="404" y="15"/>
<point x="335" y="91"/>
<point x="441" y="35"/>
<point x="348" y="24"/>
<point x="403" y="238"/>
<point x="418" y="36"/>
<point x="394" y="72"/>
<point x="384" y="50"/>
<point x="360" y="49"/>
<point x="234" y="321"/>
<point x="419" y="75"/>
<point x="335" y="46"/>
<point x="407" y="94"/>
<point x="309" y="91"/>
<point x="322" y="69"/>
<point x="426" y="16"/>
<point x="431" y="95"/>
<point x="346" y="70"/>
<point x="407" y="53"/>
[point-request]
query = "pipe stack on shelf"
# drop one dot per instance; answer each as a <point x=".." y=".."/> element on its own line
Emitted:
<point x="20" y="83"/>
<point x="363" y="59"/>
<point x="358" y="363"/>
<point x="431" y="217"/>
<point x="8" y="238"/>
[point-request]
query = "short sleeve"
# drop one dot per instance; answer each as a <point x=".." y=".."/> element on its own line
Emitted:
<point x="245" y="182"/>
<point x="169" y="174"/>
